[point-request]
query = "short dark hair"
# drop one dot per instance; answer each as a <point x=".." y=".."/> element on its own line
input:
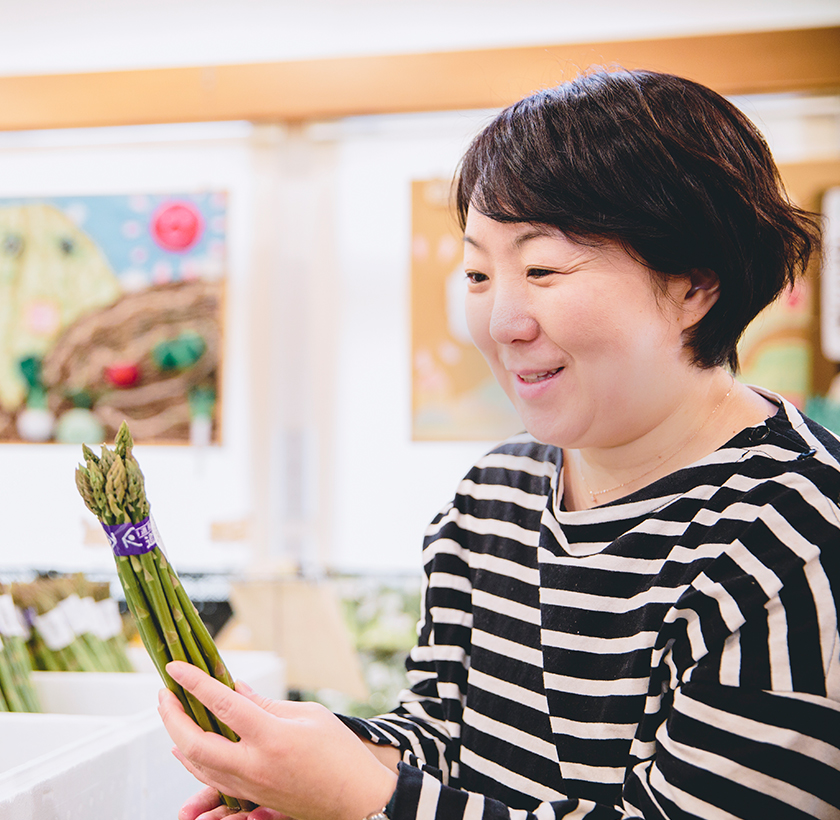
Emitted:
<point x="663" y="165"/>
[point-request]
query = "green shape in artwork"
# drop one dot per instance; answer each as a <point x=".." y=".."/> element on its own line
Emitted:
<point x="202" y="401"/>
<point x="179" y="353"/>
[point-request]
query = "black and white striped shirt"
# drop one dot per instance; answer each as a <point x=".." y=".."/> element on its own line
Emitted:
<point x="671" y="654"/>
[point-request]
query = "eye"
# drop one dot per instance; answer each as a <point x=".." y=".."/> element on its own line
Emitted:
<point x="67" y="245"/>
<point x="539" y="273"/>
<point x="12" y="244"/>
<point x="475" y="278"/>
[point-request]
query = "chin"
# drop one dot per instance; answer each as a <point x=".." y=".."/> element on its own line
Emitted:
<point x="547" y="433"/>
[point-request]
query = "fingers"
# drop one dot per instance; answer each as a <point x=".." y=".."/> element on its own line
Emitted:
<point x="262" y="813"/>
<point x="246" y="691"/>
<point x="223" y="813"/>
<point x="209" y="798"/>
<point x="230" y="707"/>
<point x="199" y="804"/>
<point x="203" y="748"/>
<point x="207" y="805"/>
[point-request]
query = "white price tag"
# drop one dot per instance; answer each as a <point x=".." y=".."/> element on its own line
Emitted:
<point x="109" y="615"/>
<point x="10" y="620"/>
<point x="55" y="629"/>
<point x="158" y="539"/>
<point x="92" y="617"/>
<point x="75" y="613"/>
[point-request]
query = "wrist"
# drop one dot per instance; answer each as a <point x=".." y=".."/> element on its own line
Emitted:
<point x="386" y="792"/>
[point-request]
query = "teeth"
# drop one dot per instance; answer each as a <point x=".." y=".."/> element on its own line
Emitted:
<point x="538" y="377"/>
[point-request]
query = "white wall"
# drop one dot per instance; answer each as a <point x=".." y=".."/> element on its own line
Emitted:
<point x="317" y="451"/>
<point x="317" y="414"/>
<point x="317" y="362"/>
<point x="387" y="486"/>
<point x="42" y="520"/>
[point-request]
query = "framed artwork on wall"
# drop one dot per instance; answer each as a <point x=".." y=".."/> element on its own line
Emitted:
<point x="454" y="394"/>
<point x="111" y="309"/>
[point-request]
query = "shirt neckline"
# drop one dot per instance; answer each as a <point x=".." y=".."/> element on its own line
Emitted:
<point x="778" y="430"/>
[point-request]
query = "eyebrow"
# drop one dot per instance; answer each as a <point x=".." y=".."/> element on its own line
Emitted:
<point x="536" y="232"/>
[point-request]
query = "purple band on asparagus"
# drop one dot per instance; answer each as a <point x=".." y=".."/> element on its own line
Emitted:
<point x="131" y="539"/>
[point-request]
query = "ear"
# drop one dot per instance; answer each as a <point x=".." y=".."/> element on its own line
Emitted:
<point x="701" y="289"/>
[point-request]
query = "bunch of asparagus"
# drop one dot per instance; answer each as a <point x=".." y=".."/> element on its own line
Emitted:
<point x="17" y="692"/>
<point x="110" y="628"/>
<point x="74" y="624"/>
<point x="113" y="489"/>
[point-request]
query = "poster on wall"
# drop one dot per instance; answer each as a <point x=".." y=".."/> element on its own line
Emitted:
<point x="775" y="350"/>
<point x="111" y="310"/>
<point x="454" y="394"/>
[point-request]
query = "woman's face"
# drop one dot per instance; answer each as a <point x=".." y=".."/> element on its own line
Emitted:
<point x="586" y="346"/>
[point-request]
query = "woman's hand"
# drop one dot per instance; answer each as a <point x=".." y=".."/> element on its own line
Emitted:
<point x="207" y="805"/>
<point x="296" y="758"/>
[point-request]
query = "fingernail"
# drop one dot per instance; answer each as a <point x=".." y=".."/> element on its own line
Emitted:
<point x="243" y="687"/>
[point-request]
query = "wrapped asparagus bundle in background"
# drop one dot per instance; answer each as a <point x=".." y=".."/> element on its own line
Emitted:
<point x="75" y="625"/>
<point x="105" y="623"/>
<point x="113" y="489"/>
<point x="17" y="692"/>
<point x="53" y="642"/>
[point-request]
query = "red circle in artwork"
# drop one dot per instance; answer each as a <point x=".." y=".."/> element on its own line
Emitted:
<point x="176" y="226"/>
<point x="122" y="374"/>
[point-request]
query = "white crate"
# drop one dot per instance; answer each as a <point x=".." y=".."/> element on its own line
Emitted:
<point x="116" y="693"/>
<point x="101" y="749"/>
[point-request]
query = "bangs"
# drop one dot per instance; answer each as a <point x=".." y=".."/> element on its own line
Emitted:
<point x="490" y="181"/>
<point x="535" y="163"/>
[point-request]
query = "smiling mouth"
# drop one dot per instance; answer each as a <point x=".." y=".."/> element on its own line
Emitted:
<point x="531" y="378"/>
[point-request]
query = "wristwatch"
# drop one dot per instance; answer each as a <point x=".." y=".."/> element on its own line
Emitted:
<point x="378" y="815"/>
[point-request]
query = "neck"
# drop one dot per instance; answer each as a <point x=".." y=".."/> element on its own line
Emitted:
<point x="695" y="423"/>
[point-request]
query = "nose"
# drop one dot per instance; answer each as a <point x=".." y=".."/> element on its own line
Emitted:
<point x="511" y="319"/>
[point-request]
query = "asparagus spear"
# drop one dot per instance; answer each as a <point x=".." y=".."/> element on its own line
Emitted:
<point x="113" y="489"/>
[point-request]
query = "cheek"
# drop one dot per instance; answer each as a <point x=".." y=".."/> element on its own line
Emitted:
<point x="477" y="316"/>
<point x="621" y="320"/>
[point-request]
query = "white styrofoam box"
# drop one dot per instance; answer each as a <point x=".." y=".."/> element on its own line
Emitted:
<point x="29" y="739"/>
<point x="113" y="767"/>
<point x="103" y="750"/>
<point x="118" y="693"/>
<point x="96" y="693"/>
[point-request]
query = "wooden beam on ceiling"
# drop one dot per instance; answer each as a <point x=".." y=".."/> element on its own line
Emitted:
<point x="742" y="63"/>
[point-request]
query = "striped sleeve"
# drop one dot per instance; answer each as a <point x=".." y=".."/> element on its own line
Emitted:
<point x="501" y="498"/>
<point x="426" y="725"/>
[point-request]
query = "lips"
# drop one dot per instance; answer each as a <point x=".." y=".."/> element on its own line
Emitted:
<point x="532" y="378"/>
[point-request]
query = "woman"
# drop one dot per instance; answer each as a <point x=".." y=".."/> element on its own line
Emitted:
<point x="631" y="611"/>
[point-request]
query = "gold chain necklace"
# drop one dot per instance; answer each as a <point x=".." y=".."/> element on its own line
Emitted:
<point x="594" y="494"/>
